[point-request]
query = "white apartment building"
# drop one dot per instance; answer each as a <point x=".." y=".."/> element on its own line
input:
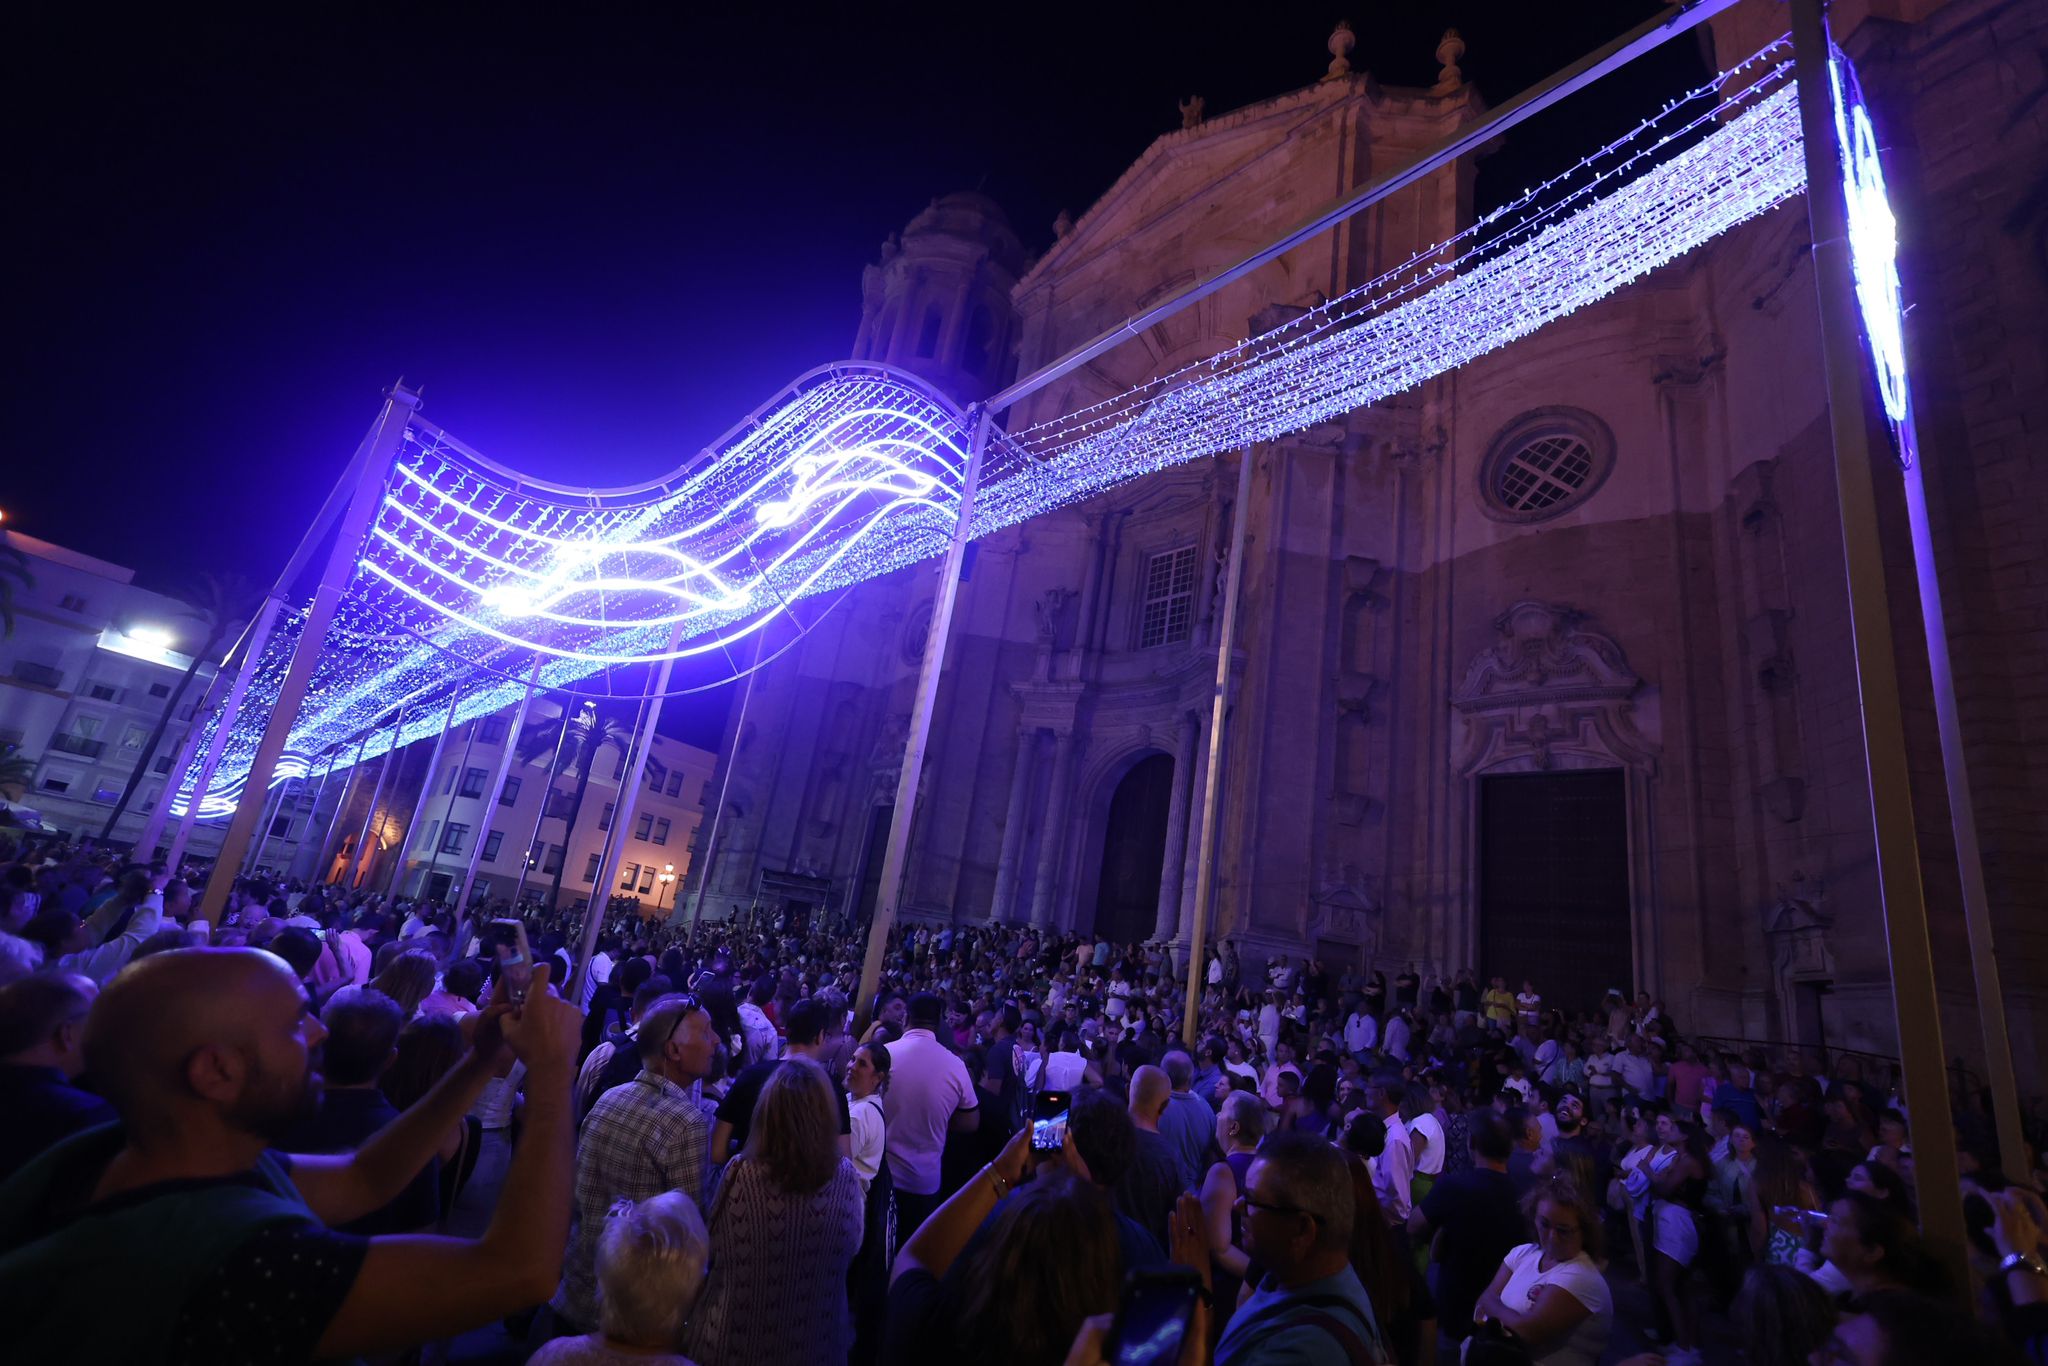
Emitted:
<point x="522" y="847"/>
<point x="84" y="677"/>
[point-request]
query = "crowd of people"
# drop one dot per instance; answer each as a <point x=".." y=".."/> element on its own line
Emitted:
<point x="337" y="1125"/>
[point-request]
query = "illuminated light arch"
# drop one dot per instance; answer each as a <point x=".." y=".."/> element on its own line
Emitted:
<point x="1873" y="237"/>
<point x="472" y="570"/>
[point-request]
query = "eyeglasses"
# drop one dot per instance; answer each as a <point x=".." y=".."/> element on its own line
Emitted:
<point x="690" y="1007"/>
<point x="1246" y="1202"/>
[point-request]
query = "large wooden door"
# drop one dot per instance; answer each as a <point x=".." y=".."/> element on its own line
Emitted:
<point x="1133" y="850"/>
<point x="1553" y="883"/>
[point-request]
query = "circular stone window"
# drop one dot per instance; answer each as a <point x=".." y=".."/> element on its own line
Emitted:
<point x="1546" y="462"/>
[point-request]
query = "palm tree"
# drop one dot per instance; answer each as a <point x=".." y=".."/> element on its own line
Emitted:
<point x="216" y="601"/>
<point x="581" y="732"/>
<point x="14" y="576"/>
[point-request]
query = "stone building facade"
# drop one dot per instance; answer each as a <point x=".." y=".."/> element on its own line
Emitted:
<point x="1543" y="668"/>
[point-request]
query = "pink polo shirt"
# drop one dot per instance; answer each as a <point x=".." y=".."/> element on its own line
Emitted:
<point x="927" y="1083"/>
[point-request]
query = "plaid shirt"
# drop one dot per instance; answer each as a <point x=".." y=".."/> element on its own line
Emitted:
<point x="639" y="1140"/>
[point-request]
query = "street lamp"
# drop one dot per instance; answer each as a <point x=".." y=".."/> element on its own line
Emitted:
<point x="666" y="877"/>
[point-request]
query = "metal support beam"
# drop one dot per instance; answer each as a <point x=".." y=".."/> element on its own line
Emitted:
<point x="1197" y="915"/>
<point x="419" y="808"/>
<point x="483" y="829"/>
<point x="1884" y="732"/>
<point x="245" y="671"/>
<point x="622" y="820"/>
<point x="358" y="864"/>
<point x="366" y="484"/>
<point x="1962" y="815"/>
<point x="709" y="847"/>
<point x="889" y="896"/>
<point x="329" y="848"/>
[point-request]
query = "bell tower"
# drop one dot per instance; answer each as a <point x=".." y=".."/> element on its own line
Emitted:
<point x="938" y="302"/>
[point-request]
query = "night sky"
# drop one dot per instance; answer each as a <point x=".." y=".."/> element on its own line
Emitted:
<point x="597" y="239"/>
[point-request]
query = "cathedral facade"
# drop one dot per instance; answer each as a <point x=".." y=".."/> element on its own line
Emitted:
<point x="1544" y="668"/>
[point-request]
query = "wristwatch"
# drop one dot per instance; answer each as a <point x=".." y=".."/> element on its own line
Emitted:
<point x="2023" y="1261"/>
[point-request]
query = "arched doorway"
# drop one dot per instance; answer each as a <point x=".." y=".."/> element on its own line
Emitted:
<point x="1133" y="849"/>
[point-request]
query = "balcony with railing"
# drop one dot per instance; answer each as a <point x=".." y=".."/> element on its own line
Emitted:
<point x="36" y="675"/>
<point x="79" y="745"/>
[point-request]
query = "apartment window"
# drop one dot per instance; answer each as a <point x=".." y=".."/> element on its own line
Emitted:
<point x="629" y="875"/>
<point x="509" y="793"/>
<point x="473" y="781"/>
<point x="533" y="855"/>
<point x="675" y="783"/>
<point x="53" y="783"/>
<point x="107" y="796"/>
<point x="490" y="730"/>
<point x="560" y="804"/>
<point x="280" y="827"/>
<point x="159" y="690"/>
<point x="645" y="828"/>
<point x="454" y="837"/>
<point x="606" y="822"/>
<point x="704" y="797"/>
<point x="661" y="829"/>
<point x="493" y="842"/>
<point x="552" y="864"/>
<point x="102" y="692"/>
<point x="448" y="783"/>
<point x="590" y="868"/>
<point x="133" y="738"/>
<point x="72" y="603"/>
<point x="1169" y="607"/>
<point x="162" y="764"/>
<point x="647" y="878"/>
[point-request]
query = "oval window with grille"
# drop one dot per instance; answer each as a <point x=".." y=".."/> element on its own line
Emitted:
<point x="1544" y="463"/>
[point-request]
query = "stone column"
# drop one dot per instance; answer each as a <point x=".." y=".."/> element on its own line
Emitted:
<point x="1053" y="829"/>
<point x="1198" y="769"/>
<point x="1014" y="817"/>
<point x="1091" y="592"/>
<point x="1177" y="829"/>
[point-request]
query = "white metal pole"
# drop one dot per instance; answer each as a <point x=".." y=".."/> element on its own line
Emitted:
<point x="1212" y="782"/>
<point x="329" y="846"/>
<point x="710" y="845"/>
<point x="505" y="760"/>
<point x="245" y="671"/>
<point x="448" y="813"/>
<point x="1894" y="830"/>
<point x="375" y="458"/>
<point x="629" y="796"/>
<point x="897" y="851"/>
<point x="397" y="871"/>
<point x="359" y="864"/>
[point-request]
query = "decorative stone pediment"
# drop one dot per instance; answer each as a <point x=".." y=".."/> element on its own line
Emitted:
<point x="1550" y="693"/>
<point x="1544" y="657"/>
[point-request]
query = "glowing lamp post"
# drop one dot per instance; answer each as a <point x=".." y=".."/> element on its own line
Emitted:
<point x="666" y="879"/>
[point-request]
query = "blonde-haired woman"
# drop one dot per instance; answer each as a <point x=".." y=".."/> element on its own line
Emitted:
<point x="784" y="1229"/>
<point x="409" y="979"/>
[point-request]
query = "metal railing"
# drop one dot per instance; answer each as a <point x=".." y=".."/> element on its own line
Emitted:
<point x="1877" y="1069"/>
<point x="77" y="744"/>
<point x="36" y="675"/>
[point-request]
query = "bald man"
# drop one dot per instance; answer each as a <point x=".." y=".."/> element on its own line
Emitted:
<point x="1152" y="1184"/>
<point x="178" y="1233"/>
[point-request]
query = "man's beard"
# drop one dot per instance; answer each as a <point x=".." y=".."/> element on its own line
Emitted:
<point x="272" y="1106"/>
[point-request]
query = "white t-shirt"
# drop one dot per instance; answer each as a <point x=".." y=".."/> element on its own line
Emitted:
<point x="868" y="1138"/>
<point x="1063" y="1071"/>
<point x="1361" y="1032"/>
<point x="1583" y="1282"/>
<point x="1428" y="1137"/>
<point x="1677" y="1236"/>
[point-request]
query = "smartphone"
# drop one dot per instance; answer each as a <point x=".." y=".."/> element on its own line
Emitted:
<point x="1049" y="1121"/>
<point x="515" y="959"/>
<point x="1152" y="1322"/>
